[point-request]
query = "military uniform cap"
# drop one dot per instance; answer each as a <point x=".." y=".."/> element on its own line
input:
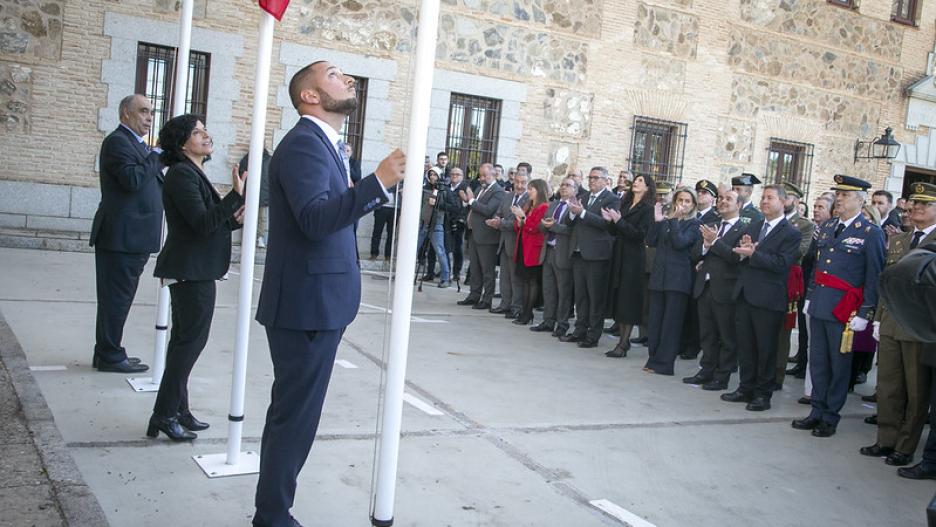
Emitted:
<point x="843" y="182"/>
<point x="662" y="187"/>
<point x="790" y="188"/>
<point x="745" y="180"/>
<point x="924" y="192"/>
<point x="704" y="185"/>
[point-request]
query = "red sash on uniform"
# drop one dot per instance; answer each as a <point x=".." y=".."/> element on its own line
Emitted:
<point x="794" y="294"/>
<point x="850" y="301"/>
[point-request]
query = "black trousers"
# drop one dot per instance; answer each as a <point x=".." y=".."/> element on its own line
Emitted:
<point x="383" y="217"/>
<point x="758" y="332"/>
<point x="802" y="356"/>
<point x="117" y="277"/>
<point x="457" y="236"/>
<point x="192" y="310"/>
<point x="532" y="280"/>
<point x="302" y="367"/>
<point x="591" y="292"/>
<point x="667" y="315"/>
<point x="717" y="336"/>
<point x="691" y="341"/>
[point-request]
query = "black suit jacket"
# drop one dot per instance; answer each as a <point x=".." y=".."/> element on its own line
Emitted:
<point x="198" y="242"/>
<point x="762" y="278"/>
<point x="672" y="264"/>
<point x="720" y="264"/>
<point x="590" y="233"/>
<point x="710" y="217"/>
<point x="129" y="217"/>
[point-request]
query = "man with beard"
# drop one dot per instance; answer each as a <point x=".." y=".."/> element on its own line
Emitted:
<point x="312" y="282"/>
<point x="744" y="186"/>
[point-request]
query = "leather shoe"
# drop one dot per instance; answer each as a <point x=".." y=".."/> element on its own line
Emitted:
<point x="467" y="302"/>
<point x="188" y="421"/>
<point x="917" y="472"/>
<point x="619" y="352"/>
<point x="823" y="429"/>
<point x="96" y="360"/>
<point x="689" y="355"/>
<point x="871" y="419"/>
<point x="122" y="367"/>
<point x="737" y="396"/>
<point x="778" y="387"/>
<point x="639" y="340"/>
<point x="805" y="400"/>
<point x="758" y="404"/>
<point x="499" y="310"/>
<point x="542" y="327"/>
<point x="559" y="332"/>
<point x="807" y="423"/>
<point x="875" y="450"/>
<point x="588" y="343"/>
<point x="715" y="386"/>
<point x="169" y="426"/>
<point x="522" y="322"/>
<point x="481" y="305"/>
<point x="870" y="398"/>
<point x="898" y="459"/>
<point x="571" y="337"/>
<point x="697" y="379"/>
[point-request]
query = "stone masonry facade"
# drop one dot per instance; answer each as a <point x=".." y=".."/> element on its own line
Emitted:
<point x="736" y="73"/>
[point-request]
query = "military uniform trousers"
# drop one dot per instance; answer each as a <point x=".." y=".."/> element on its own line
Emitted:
<point x="903" y="394"/>
<point x="829" y="368"/>
<point x="783" y="352"/>
<point x="557" y="292"/>
<point x="717" y="337"/>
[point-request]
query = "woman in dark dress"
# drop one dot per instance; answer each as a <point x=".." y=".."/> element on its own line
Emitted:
<point x="529" y="250"/>
<point x="630" y="226"/>
<point x="197" y="252"/>
<point x="673" y="236"/>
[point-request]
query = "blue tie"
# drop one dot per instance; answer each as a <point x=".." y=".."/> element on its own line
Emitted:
<point x="344" y="158"/>
<point x="763" y="232"/>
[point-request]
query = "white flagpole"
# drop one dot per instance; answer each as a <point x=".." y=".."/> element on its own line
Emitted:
<point x="406" y="265"/>
<point x="236" y="462"/>
<point x="179" y="93"/>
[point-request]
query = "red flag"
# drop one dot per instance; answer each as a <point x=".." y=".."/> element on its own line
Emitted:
<point x="275" y="7"/>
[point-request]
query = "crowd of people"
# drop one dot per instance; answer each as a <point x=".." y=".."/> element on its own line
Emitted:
<point x="705" y="274"/>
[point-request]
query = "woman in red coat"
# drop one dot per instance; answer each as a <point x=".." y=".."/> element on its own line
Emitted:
<point x="530" y="242"/>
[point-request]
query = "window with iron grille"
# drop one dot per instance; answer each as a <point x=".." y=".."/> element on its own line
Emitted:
<point x="657" y="148"/>
<point x="789" y="161"/>
<point x="352" y="131"/>
<point x="850" y="4"/>
<point x="473" y="127"/>
<point x="155" y="78"/>
<point x="905" y="12"/>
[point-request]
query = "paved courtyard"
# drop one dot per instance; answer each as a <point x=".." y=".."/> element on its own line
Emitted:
<point x="504" y="427"/>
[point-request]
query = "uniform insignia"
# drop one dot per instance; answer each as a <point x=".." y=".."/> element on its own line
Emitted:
<point x="920" y="188"/>
<point x="858" y="224"/>
<point x="868" y="228"/>
<point x="744" y="219"/>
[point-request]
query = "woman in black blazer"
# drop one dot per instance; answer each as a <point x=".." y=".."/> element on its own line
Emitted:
<point x="629" y="226"/>
<point x="196" y="253"/>
<point x="671" y="278"/>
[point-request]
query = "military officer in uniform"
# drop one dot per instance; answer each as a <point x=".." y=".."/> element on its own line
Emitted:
<point x="706" y="193"/>
<point x="744" y="186"/>
<point x="903" y="382"/>
<point x="840" y="300"/>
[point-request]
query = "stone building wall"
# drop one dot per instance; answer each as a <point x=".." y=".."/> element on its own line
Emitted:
<point x="736" y="72"/>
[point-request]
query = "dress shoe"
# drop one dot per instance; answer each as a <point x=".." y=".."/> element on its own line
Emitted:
<point x="559" y="332"/>
<point x="96" y="360"/>
<point x="428" y="277"/>
<point x="715" y="386"/>
<point x="689" y="355"/>
<point x="122" y="367"/>
<point x="481" y="305"/>
<point x="800" y="374"/>
<point x="610" y="329"/>
<point x="588" y="343"/>
<point x="898" y="459"/>
<point x="639" y="340"/>
<point x="169" y="426"/>
<point x="823" y="429"/>
<point x="778" y="386"/>
<point x="571" y="337"/>
<point x="806" y="423"/>
<point x="522" y="321"/>
<point x="862" y="378"/>
<point x="796" y="370"/>
<point x="467" y="302"/>
<point x="804" y="400"/>
<point x="542" y="327"/>
<point x="619" y="352"/>
<point x="870" y="398"/>
<point x="499" y="310"/>
<point x="698" y="378"/>
<point x="737" y="396"/>
<point x="758" y="404"/>
<point x="188" y="421"/>
<point x="871" y="420"/>
<point x="875" y="450"/>
<point x="917" y="472"/>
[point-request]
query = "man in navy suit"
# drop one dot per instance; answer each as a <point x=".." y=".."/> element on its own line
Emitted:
<point x="125" y="230"/>
<point x="312" y="282"/>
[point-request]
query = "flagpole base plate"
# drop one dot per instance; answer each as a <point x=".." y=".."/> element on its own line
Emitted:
<point x="143" y="384"/>
<point x="216" y="466"/>
<point x="381" y="523"/>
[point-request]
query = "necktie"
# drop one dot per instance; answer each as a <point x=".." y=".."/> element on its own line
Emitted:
<point x="698" y="215"/>
<point x="917" y="236"/>
<point x="556" y="215"/>
<point x="839" y="229"/>
<point x="763" y="232"/>
<point x="591" y="199"/>
<point x="721" y="231"/>
<point x="344" y="158"/>
<point x="516" y="200"/>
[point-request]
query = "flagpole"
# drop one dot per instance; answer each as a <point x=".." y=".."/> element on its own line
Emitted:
<point x="389" y="447"/>
<point x="235" y="462"/>
<point x="151" y="384"/>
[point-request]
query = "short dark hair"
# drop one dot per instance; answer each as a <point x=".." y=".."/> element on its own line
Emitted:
<point x="527" y="166"/>
<point x="781" y="192"/>
<point x="440" y="154"/>
<point x="173" y="135"/>
<point x="298" y="82"/>
<point x="499" y="166"/>
<point x="886" y="194"/>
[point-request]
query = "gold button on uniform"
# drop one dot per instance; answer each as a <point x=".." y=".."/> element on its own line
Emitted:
<point x="828" y="261"/>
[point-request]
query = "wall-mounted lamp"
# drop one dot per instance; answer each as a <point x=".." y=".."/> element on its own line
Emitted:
<point x="884" y="147"/>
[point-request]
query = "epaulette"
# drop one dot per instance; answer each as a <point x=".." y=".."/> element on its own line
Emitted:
<point x="744" y="219"/>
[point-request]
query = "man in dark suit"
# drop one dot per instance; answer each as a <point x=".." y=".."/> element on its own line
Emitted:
<point x="744" y="186"/>
<point x="707" y="214"/>
<point x="483" y="240"/>
<point x="312" y="282"/>
<point x="768" y="249"/>
<point x="510" y="288"/>
<point x="126" y="229"/>
<point x="557" y="267"/>
<point x="592" y="246"/>
<point x="456" y="229"/>
<point x="717" y="273"/>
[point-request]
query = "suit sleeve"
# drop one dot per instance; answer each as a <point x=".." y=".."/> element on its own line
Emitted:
<point x="683" y="237"/>
<point x="183" y="189"/>
<point x="875" y="254"/>
<point x="783" y="258"/>
<point x="657" y="229"/>
<point x="489" y="207"/>
<point x="121" y="160"/>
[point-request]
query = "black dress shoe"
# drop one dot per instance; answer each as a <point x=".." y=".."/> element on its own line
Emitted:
<point x="898" y="459"/>
<point x="758" y="404"/>
<point x="639" y="340"/>
<point x="542" y="327"/>
<point x="823" y="429"/>
<point x="917" y="472"/>
<point x="610" y="329"/>
<point x="95" y="360"/>
<point x="870" y="398"/>
<point x="804" y="400"/>
<point x="688" y="355"/>
<point x="875" y="450"/>
<point x="499" y="310"/>
<point x="777" y="386"/>
<point x="697" y="379"/>
<point x="796" y="370"/>
<point x="715" y="386"/>
<point x="800" y="375"/>
<point x="571" y="337"/>
<point x="467" y="302"/>
<point x="871" y="420"/>
<point x="737" y="396"/>
<point x="559" y="332"/>
<point x="588" y="343"/>
<point x="188" y="421"/>
<point x="169" y="426"/>
<point x="122" y="367"/>
<point x="522" y="321"/>
<point x="481" y="305"/>
<point x="807" y="423"/>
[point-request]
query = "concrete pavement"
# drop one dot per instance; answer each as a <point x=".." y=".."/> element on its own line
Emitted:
<point x="531" y="431"/>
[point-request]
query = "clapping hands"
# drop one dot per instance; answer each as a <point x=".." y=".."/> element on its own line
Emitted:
<point x="747" y="247"/>
<point x="575" y="206"/>
<point x="612" y="215"/>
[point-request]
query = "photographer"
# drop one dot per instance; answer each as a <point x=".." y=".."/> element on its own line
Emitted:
<point x="437" y="201"/>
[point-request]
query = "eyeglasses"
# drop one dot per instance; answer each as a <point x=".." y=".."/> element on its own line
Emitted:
<point x="594" y="177"/>
<point x="565" y="184"/>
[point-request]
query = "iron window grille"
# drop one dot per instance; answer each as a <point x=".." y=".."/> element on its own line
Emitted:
<point x="473" y="126"/>
<point x="848" y="4"/>
<point x="657" y="148"/>
<point x="905" y="12"/>
<point x="352" y="131"/>
<point x="789" y="161"/>
<point x="155" y="79"/>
